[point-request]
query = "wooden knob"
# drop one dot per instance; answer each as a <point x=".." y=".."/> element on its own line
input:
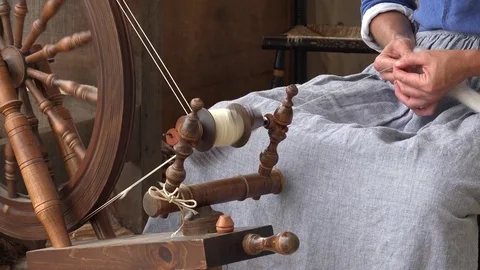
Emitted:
<point x="196" y="104"/>
<point x="284" y="243"/>
<point x="292" y="91"/>
<point x="225" y="224"/>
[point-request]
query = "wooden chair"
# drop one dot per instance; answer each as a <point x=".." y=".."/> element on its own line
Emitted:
<point x="303" y="37"/>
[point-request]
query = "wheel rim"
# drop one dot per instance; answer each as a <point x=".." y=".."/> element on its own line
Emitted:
<point x="104" y="158"/>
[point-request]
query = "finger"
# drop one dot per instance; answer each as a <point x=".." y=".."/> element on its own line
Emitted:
<point x="426" y="111"/>
<point x="401" y="96"/>
<point x="411" y="59"/>
<point x="410" y="102"/>
<point x="387" y="76"/>
<point x="384" y="62"/>
<point x="411" y="91"/>
<point x="413" y="79"/>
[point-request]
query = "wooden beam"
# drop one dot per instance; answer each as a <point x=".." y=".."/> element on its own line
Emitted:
<point x="151" y="251"/>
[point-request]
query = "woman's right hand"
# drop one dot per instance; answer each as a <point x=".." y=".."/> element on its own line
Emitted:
<point x="394" y="50"/>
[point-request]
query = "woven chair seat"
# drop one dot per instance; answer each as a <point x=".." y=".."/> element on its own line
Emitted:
<point x="318" y="37"/>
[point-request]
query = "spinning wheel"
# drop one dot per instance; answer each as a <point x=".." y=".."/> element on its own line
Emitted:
<point x="92" y="170"/>
<point x="209" y="238"/>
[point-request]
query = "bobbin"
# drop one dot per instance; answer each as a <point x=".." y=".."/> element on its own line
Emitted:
<point x="252" y="119"/>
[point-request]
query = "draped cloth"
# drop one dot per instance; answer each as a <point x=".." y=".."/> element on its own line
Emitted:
<point x="369" y="184"/>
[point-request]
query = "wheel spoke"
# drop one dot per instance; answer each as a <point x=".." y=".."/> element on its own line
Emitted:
<point x="5" y="10"/>
<point x="43" y="195"/>
<point x="10" y="171"/>
<point x="82" y="91"/>
<point x="2" y="43"/>
<point x="40" y="25"/>
<point x="71" y="160"/>
<point x="21" y="11"/>
<point x="59" y="125"/>
<point x="27" y="110"/>
<point x="66" y="44"/>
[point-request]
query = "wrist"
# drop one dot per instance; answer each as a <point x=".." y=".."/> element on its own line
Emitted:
<point x="408" y="36"/>
<point x="472" y="60"/>
<point x="389" y="26"/>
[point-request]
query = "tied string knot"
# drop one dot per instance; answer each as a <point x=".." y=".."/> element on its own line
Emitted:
<point x="172" y="197"/>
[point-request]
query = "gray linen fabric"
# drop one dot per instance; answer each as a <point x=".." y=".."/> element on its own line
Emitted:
<point x="370" y="185"/>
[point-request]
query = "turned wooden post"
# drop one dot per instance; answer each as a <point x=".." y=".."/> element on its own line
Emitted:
<point x="33" y="168"/>
<point x="58" y="124"/>
<point x="189" y="132"/>
<point x="219" y="191"/>
<point x="27" y="110"/>
<point x="277" y="131"/>
<point x="72" y="161"/>
<point x="85" y="92"/>
<point x="20" y="11"/>
<point x="66" y="44"/>
<point x="284" y="243"/>
<point x="39" y="26"/>
<point x="5" y="10"/>
<point x="10" y="170"/>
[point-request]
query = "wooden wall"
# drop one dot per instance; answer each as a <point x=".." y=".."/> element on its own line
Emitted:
<point x="333" y="12"/>
<point x="213" y="47"/>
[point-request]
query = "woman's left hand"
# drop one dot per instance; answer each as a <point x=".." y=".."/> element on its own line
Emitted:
<point x="423" y="78"/>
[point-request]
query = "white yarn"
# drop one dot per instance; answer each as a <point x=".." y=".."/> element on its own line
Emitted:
<point x="229" y="126"/>
<point x="466" y="95"/>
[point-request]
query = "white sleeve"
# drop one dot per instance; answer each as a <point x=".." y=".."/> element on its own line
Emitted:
<point x="374" y="11"/>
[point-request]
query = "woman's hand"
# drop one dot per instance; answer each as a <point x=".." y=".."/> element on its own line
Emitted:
<point x="396" y="49"/>
<point x="434" y="74"/>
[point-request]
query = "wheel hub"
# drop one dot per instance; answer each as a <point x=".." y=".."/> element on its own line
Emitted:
<point x="16" y="65"/>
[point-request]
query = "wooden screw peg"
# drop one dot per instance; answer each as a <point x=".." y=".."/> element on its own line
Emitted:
<point x="284" y="243"/>
<point x="225" y="224"/>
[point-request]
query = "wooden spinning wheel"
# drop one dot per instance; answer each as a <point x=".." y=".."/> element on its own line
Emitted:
<point x="92" y="170"/>
<point x="208" y="238"/>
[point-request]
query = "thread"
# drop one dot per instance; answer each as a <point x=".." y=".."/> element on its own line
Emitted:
<point x="122" y="194"/>
<point x="229" y="127"/>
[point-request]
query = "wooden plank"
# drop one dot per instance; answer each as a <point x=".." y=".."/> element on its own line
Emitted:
<point x="150" y="251"/>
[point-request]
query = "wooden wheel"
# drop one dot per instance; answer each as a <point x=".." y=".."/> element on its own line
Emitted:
<point x="92" y="170"/>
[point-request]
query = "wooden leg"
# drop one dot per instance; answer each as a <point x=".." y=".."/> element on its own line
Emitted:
<point x="279" y="69"/>
<point x="33" y="168"/>
<point x="102" y="226"/>
<point x="299" y="66"/>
